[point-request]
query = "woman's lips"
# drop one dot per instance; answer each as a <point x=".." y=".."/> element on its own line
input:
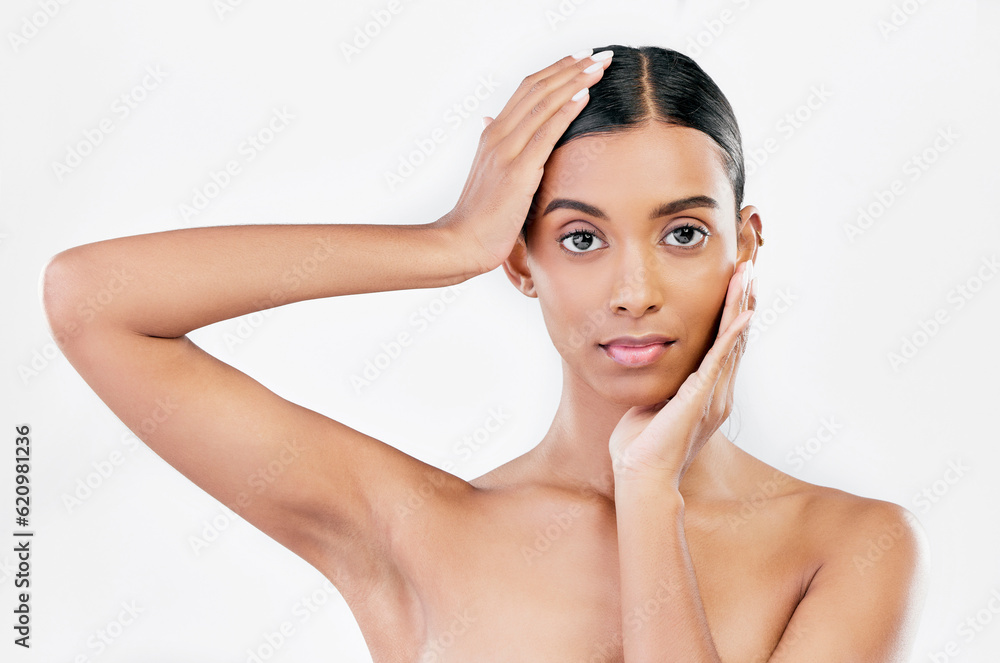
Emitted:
<point x="636" y="355"/>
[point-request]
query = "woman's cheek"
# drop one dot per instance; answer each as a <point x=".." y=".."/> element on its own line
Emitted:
<point x="574" y="319"/>
<point x="707" y="315"/>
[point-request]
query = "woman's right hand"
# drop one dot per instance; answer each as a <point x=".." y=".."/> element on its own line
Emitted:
<point x="513" y="149"/>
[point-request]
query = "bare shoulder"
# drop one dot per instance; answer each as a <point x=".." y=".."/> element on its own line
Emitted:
<point x="845" y="523"/>
<point x="829" y="509"/>
<point x="865" y="565"/>
<point x="866" y="534"/>
<point x="862" y="535"/>
<point x="836" y="527"/>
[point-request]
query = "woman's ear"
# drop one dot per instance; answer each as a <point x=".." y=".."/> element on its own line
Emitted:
<point x="516" y="266"/>
<point x="749" y="232"/>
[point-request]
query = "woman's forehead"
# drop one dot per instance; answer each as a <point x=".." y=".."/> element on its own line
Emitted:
<point x="657" y="160"/>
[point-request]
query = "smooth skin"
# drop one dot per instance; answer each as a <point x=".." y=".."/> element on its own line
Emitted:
<point x="634" y="531"/>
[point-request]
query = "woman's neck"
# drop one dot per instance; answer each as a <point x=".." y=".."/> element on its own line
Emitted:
<point x="574" y="454"/>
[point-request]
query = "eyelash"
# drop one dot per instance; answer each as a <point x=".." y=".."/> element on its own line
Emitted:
<point x="582" y="231"/>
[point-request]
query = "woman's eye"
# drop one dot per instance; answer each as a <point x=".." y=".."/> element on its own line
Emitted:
<point x="580" y="241"/>
<point x="685" y="236"/>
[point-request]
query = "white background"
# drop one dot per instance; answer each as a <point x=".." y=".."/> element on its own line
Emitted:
<point x="826" y="355"/>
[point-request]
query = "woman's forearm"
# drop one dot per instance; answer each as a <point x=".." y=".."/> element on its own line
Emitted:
<point x="663" y="617"/>
<point x="168" y="283"/>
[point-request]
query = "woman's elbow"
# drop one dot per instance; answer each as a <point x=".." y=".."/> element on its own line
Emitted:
<point x="60" y="288"/>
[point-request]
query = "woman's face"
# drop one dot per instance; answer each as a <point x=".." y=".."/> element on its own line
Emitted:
<point x="635" y="234"/>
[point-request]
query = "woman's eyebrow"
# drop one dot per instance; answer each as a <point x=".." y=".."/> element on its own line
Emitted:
<point x="665" y="209"/>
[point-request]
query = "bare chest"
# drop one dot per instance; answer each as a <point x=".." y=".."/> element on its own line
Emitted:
<point x="543" y="585"/>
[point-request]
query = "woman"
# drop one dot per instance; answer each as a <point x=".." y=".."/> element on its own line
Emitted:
<point x="622" y="214"/>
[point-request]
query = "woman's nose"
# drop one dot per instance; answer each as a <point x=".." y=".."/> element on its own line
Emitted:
<point x="638" y="288"/>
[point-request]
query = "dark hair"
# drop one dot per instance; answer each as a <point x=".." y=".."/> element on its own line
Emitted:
<point x="650" y="83"/>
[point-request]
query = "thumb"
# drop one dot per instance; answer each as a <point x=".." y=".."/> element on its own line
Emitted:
<point x="486" y="121"/>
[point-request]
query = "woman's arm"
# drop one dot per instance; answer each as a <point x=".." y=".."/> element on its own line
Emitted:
<point x="663" y="617"/>
<point x="864" y="602"/>
<point x="119" y="310"/>
<point x="167" y="284"/>
<point x="857" y="607"/>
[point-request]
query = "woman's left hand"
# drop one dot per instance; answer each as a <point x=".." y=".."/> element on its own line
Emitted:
<point x="660" y="441"/>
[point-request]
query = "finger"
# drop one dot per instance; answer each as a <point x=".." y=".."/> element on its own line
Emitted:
<point x="522" y="90"/>
<point x="735" y="297"/>
<point x="563" y="64"/>
<point x="711" y="387"/>
<point x="741" y="301"/>
<point x="487" y="121"/>
<point x="732" y="325"/>
<point x="728" y="378"/>
<point x="722" y="354"/>
<point x="543" y="115"/>
<point x="712" y="383"/>
<point x="727" y="381"/>
<point x="716" y="368"/>
<point x="698" y="393"/>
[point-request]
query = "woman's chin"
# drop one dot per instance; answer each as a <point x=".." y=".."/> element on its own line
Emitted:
<point x="637" y="390"/>
<point x="626" y="385"/>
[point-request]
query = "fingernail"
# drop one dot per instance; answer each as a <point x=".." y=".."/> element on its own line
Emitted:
<point x="753" y="287"/>
<point x="581" y="94"/>
<point x="603" y="55"/>
<point x="594" y="67"/>
<point x="582" y="54"/>
<point x="747" y="275"/>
